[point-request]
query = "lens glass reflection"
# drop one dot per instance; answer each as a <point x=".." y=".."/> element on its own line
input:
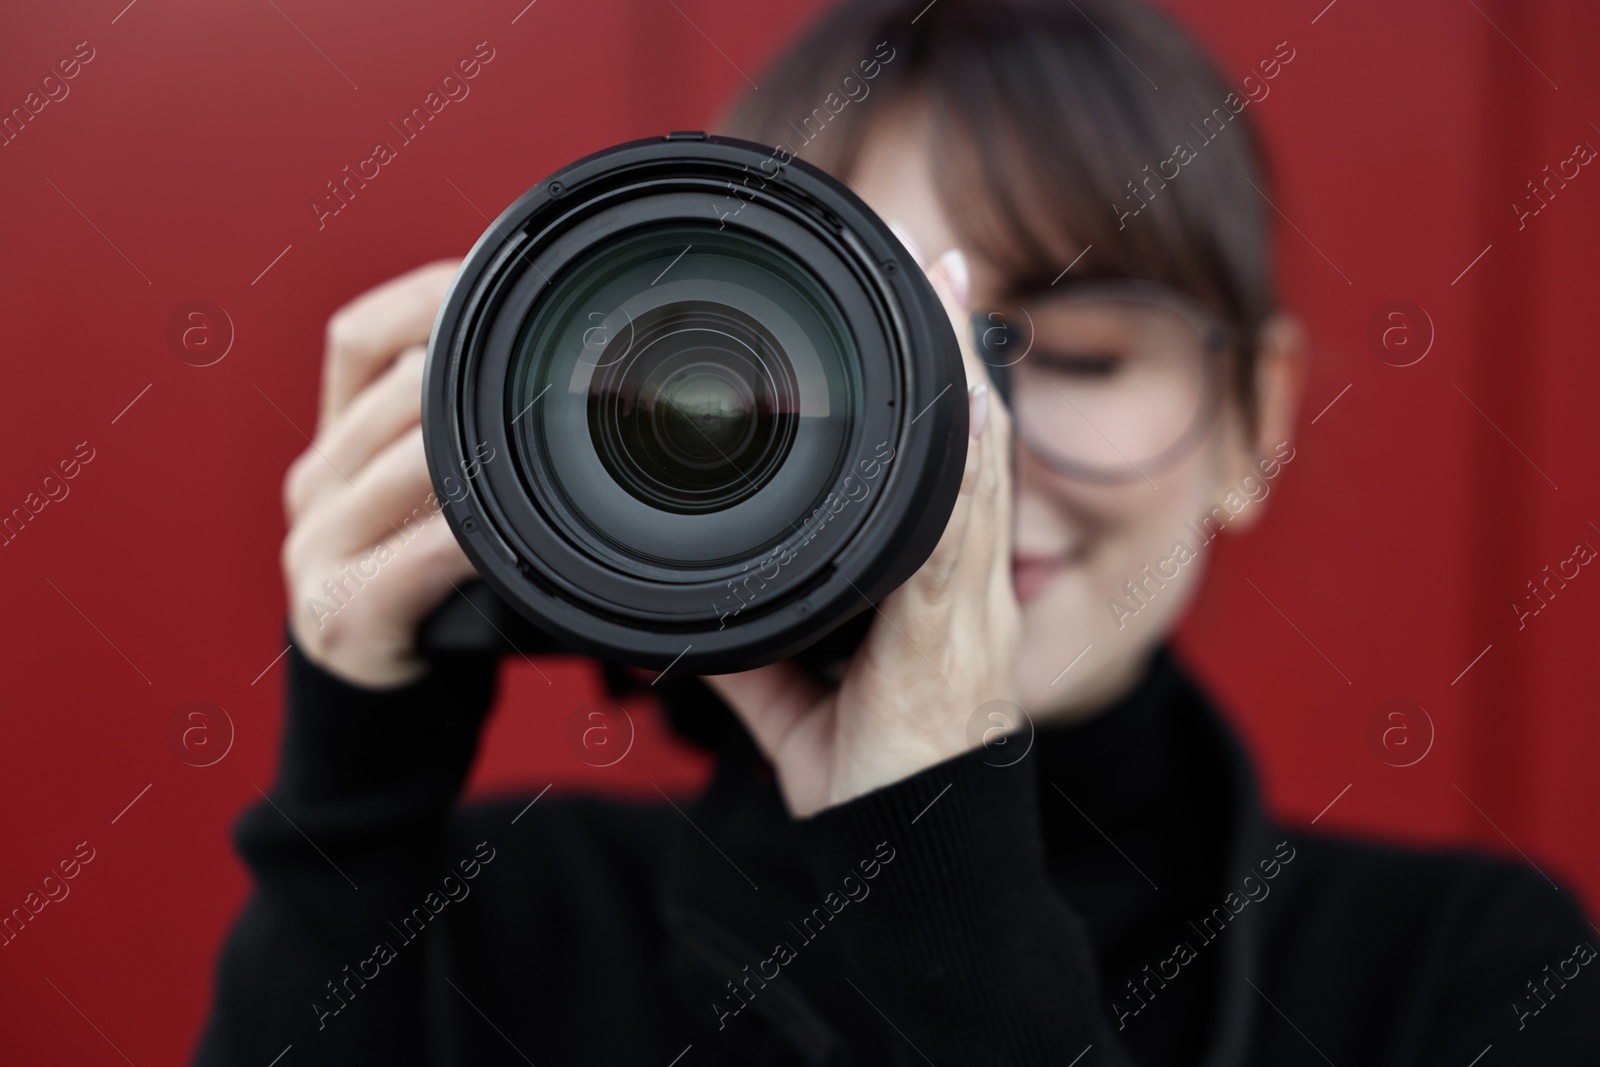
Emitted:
<point x="698" y="412"/>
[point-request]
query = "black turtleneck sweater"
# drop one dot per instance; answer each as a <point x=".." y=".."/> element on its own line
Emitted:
<point x="1109" y="893"/>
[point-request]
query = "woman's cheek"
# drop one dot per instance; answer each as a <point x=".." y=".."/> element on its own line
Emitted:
<point x="1144" y="553"/>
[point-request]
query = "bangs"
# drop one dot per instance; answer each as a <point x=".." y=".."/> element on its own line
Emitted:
<point x="1051" y="141"/>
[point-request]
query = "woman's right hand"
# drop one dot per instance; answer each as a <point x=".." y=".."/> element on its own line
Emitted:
<point x="368" y="554"/>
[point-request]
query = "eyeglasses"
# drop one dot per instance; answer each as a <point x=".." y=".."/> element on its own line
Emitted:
<point x="1107" y="381"/>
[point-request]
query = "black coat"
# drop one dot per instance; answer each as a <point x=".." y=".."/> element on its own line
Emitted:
<point x="1115" y="895"/>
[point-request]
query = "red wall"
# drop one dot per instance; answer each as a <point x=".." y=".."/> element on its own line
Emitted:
<point x="181" y="165"/>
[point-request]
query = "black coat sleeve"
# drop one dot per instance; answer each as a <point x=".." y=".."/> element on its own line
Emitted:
<point x="972" y="955"/>
<point x="350" y="839"/>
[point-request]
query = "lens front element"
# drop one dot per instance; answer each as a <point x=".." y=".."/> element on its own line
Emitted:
<point x="698" y="409"/>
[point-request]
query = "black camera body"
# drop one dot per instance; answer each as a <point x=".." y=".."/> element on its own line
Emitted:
<point x="688" y="404"/>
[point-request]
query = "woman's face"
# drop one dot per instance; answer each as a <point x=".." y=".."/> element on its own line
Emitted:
<point x="1077" y="544"/>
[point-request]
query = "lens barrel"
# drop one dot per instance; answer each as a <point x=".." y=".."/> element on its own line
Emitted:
<point x="690" y="404"/>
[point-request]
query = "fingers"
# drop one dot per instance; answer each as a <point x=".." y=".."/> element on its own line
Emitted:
<point x="365" y="335"/>
<point x="368" y="552"/>
<point x="921" y="611"/>
<point x="378" y="415"/>
<point x="983" y="575"/>
<point x="358" y="616"/>
<point x="427" y="566"/>
<point x="951" y="278"/>
<point x="966" y="581"/>
<point x="986" y="538"/>
<point x="390" y="495"/>
<point x="939" y="570"/>
<point x="366" y="564"/>
<point x="984" y="535"/>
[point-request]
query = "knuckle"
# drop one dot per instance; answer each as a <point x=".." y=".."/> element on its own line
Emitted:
<point x="337" y="330"/>
<point x="938" y="575"/>
<point x="344" y="333"/>
<point x="298" y="552"/>
<point x="331" y="631"/>
<point x="289" y="494"/>
<point x="316" y="636"/>
<point x="289" y="554"/>
<point x="297" y="486"/>
<point x="408" y="376"/>
<point x="433" y="278"/>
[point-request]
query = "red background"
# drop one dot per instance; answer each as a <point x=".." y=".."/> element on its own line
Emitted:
<point x="194" y="142"/>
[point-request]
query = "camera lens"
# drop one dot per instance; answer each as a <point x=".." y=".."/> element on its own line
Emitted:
<point x="700" y="409"/>
<point x="694" y="389"/>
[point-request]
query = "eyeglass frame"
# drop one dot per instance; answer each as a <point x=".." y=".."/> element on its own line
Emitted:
<point x="1216" y="340"/>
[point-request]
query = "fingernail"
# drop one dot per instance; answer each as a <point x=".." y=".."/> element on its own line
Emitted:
<point x="953" y="264"/>
<point x="910" y="242"/>
<point x="978" y="408"/>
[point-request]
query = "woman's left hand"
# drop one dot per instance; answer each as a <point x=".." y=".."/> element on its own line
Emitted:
<point x="942" y="645"/>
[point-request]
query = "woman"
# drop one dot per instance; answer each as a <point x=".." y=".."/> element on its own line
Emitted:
<point x="864" y="881"/>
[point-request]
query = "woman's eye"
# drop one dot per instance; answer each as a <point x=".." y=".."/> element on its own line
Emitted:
<point x="1080" y="364"/>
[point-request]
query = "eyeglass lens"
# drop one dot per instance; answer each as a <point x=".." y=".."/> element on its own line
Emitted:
<point x="1104" y="385"/>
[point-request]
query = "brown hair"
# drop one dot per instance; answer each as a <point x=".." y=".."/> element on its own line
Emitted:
<point x="1048" y="108"/>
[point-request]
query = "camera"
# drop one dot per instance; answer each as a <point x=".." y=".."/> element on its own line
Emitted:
<point x="689" y="404"/>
